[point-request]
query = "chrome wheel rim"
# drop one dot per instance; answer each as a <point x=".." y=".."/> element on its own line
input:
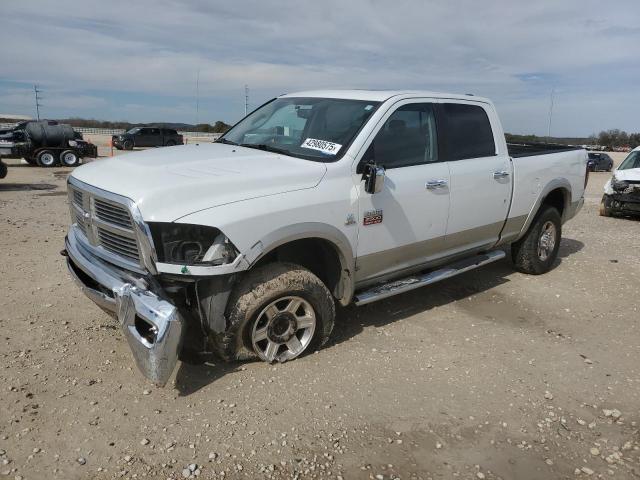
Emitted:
<point x="47" y="159"/>
<point x="283" y="329"/>
<point x="547" y="241"/>
<point x="69" y="158"/>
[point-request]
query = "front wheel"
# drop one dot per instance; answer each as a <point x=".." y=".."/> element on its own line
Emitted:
<point x="127" y="145"/>
<point x="538" y="249"/>
<point x="277" y="313"/>
<point x="605" y="206"/>
<point x="46" y="159"/>
<point x="3" y="170"/>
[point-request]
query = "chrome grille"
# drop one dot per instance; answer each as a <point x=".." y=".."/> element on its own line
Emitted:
<point x="77" y="198"/>
<point x="106" y="224"/>
<point x="118" y="244"/>
<point x="111" y="213"/>
<point x="80" y="223"/>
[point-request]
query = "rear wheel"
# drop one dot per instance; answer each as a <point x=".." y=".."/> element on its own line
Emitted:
<point x="538" y="249"/>
<point x="69" y="158"/>
<point x="277" y="313"/>
<point x="46" y="158"/>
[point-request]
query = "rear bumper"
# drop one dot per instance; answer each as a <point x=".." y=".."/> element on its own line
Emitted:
<point x="152" y="325"/>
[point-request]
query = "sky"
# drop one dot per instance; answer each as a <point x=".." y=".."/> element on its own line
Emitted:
<point x="140" y="60"/>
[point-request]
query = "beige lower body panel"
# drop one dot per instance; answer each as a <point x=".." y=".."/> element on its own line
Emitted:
<point x="382" y="266"/>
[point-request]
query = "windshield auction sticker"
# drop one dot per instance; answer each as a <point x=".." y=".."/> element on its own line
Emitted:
<point x="323" y="146"/>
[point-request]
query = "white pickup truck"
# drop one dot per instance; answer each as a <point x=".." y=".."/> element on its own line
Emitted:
<point x="244" y="246"/>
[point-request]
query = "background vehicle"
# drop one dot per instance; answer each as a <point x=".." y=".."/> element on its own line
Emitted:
<point x="317" y="198"/>
<point x="599" y="162"/>
<point x="46" y="143"/>
<point x="147" y="137"/>
<point x="622" y="191"/>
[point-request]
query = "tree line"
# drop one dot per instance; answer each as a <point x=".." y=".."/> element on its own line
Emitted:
<point x="615" y="138"/>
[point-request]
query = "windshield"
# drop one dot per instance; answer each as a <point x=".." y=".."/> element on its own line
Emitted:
<point x="632" y="161"/>
<point x="134" y="130"/>
<point x="318" y="129"/>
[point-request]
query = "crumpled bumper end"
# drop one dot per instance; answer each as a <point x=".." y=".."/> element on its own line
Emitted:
<point x="152" y="325"/>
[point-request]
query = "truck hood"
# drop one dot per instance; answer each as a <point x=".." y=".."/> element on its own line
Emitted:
<point x="628" y="174"/>
<point x="172" y="182"/>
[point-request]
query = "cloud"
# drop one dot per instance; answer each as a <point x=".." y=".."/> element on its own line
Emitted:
<point x="148" y="53"/>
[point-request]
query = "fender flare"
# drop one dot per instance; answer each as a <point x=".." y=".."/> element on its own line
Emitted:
<point x="556" y="183"/>
<point x="309" y="230"/>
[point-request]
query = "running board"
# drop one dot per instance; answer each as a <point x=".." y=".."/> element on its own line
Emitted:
<point x="411" y="283"/>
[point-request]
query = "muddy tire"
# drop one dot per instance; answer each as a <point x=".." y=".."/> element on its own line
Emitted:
<point x="538" y="249"/>
<point x="605" y="208"/>
<point x="278" y="312"/>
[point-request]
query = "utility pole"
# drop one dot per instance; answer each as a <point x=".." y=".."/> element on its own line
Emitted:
<point x="246" y="99"/>
<point x="38" y="104"/>
<point x="198" y="97"/>
<point x="550" y="112"/>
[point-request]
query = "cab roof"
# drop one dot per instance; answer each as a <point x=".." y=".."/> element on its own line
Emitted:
<point x="384" y="95"/>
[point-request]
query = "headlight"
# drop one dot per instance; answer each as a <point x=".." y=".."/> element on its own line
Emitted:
<point x="186" y="244"/>
<point x="619" y="186"/>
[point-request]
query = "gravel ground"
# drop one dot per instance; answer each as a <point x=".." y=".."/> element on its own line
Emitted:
<point x="493" y="374"/>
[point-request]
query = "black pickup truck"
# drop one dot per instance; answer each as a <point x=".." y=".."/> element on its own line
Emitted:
<point x="147" y="137"/>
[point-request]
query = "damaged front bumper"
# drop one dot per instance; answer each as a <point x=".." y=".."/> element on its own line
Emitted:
<point x="625" y="203"/>
<point x="152" y="325"/>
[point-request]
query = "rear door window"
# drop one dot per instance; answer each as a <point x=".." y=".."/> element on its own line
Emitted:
<point x="468" y="132"/>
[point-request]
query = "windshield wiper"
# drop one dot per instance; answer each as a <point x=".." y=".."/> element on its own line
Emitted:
<point x="225" y="141"/>
<point x="265" y="147"/>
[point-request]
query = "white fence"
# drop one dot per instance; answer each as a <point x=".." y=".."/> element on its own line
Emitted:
<point x="115" y="131"/>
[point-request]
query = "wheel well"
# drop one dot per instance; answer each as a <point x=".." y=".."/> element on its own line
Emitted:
<point x="557" y="198"/>
<point x="315" y="254"/>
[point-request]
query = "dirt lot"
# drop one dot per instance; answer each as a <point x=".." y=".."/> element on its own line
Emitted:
<point x="493" y="374"/>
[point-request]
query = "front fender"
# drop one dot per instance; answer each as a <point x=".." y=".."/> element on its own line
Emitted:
<point x="307" y="230"/>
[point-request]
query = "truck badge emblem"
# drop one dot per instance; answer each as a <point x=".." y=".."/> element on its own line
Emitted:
<point x="372" y="217"/>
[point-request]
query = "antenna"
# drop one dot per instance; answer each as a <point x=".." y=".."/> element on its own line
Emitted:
<point x="38" y="104"/>
<point x="246" y="99"/>
<point x="198" y="97"/>
<point x="550" y="112"/>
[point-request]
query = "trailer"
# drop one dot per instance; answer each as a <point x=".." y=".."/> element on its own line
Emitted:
<point x="46" y="143"/>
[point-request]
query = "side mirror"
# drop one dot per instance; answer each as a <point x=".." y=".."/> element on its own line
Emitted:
<point x="373" y="177"/>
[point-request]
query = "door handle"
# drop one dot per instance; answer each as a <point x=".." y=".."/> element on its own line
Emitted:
<point x="433" y="184"/>
<point x="500" y="174"/>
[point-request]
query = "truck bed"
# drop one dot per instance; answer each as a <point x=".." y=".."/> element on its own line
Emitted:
<point x="517" y="150"/>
